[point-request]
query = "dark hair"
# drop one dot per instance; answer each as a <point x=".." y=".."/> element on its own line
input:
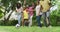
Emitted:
<point x="18" y="5"/>
<point x="26" y="8"/>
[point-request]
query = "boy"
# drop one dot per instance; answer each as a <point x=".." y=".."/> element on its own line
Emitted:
<point x="38" y="14"/>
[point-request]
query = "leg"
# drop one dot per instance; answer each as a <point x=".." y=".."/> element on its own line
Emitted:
<point x="22" y="21"/>
<point x="48" y="18"/>
<point x="38" y="20"/>
<point x="19" y="19"/>
<point x="30" y="21"/>
<point x="45" y="22"/>
<point x="26" y="22"/>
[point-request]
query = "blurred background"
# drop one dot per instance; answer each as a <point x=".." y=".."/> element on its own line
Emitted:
<point x="8" y="15"/>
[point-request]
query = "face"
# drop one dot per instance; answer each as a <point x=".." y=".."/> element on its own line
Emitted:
<point x="18" y="4"/>
<point x="37" y="3"/>
<point x="26" y="8"/>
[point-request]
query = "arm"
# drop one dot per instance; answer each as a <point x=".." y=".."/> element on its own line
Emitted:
<point x="41" y="8"/>
<point x="16" y="10"/>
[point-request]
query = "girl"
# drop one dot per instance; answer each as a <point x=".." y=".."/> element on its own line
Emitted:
<point x="25" y="14"/>
<point x="19" y="10"/>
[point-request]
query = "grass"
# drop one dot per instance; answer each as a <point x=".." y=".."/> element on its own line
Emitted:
<point x="29" y="29"/>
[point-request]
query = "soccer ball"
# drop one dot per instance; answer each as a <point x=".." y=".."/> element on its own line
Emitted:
<point x="17" y="25"/>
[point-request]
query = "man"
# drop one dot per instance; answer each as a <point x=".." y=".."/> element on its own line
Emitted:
<point x="38" y="14"/>
<point x="46" y="7"/>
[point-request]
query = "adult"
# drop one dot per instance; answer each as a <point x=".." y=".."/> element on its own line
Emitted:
<point x="38" y="14"/>
<point x="46" y="11"/>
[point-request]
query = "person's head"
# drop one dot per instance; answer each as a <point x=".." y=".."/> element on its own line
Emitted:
<point x="25" y="8"/>
<point x="38" y="3"/>
<point x="18" y="5"/>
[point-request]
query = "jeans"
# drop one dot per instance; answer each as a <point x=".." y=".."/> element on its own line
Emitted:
<point x="38" y="18"/>
<point x="19" y="19"/>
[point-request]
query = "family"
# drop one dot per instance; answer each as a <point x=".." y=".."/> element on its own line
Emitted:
<point x="42" y="8"/>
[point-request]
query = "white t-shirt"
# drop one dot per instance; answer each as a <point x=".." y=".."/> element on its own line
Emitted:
<point x="19" y="11"/>
<point x="38" y="10"/>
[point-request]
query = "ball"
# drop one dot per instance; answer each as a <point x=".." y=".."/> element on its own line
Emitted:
<point x="17" y="25"/>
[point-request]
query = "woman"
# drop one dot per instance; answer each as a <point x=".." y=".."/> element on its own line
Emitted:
<point x="25" y="14"/>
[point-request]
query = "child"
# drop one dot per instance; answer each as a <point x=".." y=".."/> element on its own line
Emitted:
<point x="25" y="14"/>
<point x="19" y="10"/>
<point x="30" y="14"/>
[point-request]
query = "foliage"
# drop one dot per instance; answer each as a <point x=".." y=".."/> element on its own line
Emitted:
<point x="1" y="14"/>
<point x="9" y="23"/>
<point x="54" y="17"/>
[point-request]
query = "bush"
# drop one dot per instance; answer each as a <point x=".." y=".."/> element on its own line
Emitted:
<point x="9" y="23"/>
<point x="55" y="18"/>
<point x="1" y="23"/>
<point x="12" y="23"/>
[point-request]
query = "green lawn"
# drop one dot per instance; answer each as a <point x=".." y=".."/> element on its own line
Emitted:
<point x="29" y="29"/>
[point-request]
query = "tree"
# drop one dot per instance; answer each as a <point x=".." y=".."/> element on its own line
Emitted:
<point x="9" y="5"/>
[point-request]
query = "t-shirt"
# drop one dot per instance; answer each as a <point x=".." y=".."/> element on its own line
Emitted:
<point x="25" y="14"/>
<point x="45" y="5"/>
<point x="30" y="11"/>
<point x="38" y="10"/>
<point x="19" y="11"/>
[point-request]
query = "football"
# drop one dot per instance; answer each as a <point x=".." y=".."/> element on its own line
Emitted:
<point x="17" y="25"/>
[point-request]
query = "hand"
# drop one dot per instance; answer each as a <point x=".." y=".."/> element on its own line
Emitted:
<point x="16" y="11"/>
